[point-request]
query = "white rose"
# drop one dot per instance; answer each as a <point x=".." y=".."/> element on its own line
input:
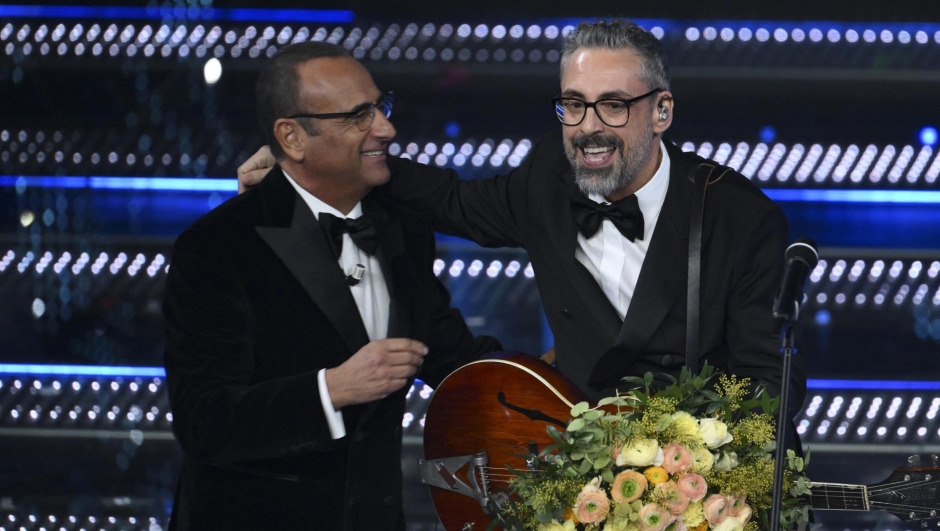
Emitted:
<point x="702" y="460"/>
<point x="728" y="461"/>
<point x="714" y="432"/>
<point x="730" y="524"/>
<point x="641" y="452"/>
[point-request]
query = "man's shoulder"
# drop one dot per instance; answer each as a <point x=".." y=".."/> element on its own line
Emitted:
<point x="726" y="185"/>
<point x="231" y="219"/>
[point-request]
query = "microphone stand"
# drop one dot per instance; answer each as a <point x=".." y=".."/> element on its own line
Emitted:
<point x="788" y="348"/>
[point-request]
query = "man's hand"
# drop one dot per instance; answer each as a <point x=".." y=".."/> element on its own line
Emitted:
<point x="376" y="371"/>
<point x="255" y="168"/>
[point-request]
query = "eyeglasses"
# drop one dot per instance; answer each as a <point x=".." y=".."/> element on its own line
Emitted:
<point x="613" y="112"/>
<point x="362" y="116"/>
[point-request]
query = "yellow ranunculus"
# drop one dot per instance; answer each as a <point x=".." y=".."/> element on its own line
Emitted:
<point x="656" y="475"/>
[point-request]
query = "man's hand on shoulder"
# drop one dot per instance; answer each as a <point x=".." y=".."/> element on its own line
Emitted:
<point x="379" y="369"/>
<point x="253" y="170"/>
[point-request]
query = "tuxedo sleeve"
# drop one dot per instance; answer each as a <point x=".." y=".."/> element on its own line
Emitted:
<point x="219" y="413"/>
<point x="450" y="343"/>
<point x="489" y="211"/>
<point x="751" y="330"/>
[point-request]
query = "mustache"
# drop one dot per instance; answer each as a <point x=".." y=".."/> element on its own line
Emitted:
<point x="584" y="141"/>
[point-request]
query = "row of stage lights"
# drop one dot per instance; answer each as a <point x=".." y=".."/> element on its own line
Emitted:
<point x="881" y="284"/>
<point x="878" y="271"/>
<point x="869" y="416"/>
<point x="32" y="522"/>
<point x="376" y="43"/>
<point x="766" y="164"/>
<point x="156" y="266"/>
<point x="119" y="403"/>
<point x="393" y="43"/>
<point x="836" y="163"/>
<point x="85" y="403"/>
<point x="875" y="418"/>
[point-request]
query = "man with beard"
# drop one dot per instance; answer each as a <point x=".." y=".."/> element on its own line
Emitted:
<point x="603" y="209"/>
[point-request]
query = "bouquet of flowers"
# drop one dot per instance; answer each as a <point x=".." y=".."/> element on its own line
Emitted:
<point x="696" y="455"/>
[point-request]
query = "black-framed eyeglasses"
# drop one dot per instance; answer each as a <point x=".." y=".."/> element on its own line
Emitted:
<point x="362" y="116"/>
<point x="613" y="112"/>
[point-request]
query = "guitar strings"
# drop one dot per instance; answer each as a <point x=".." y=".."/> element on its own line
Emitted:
<point x="903" y="486"/>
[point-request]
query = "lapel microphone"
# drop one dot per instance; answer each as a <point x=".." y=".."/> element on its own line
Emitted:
<point x="357" y="273"/>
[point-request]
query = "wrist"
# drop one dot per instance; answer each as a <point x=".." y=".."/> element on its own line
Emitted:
<point x="335" y="388"/>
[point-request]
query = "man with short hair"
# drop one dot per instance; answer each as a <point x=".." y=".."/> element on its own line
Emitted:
<point x="603" y="209"/>
<point x="299" y="313"/>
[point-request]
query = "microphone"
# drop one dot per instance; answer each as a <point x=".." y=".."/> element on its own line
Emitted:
<point x="357" y="273"/>
<point x="801" y="258"/>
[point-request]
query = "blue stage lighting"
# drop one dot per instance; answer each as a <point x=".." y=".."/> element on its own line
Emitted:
<point x="767" y="134"/>
<point x="452" y="129"/>
<point x="928" y="136"/>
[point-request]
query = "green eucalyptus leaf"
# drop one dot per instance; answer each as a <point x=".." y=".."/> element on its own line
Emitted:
<point x="601" y="462"/>
<point x="634" y="380"/>
<point x="543" y="518"/>
<point x="585" y="467"/>
<point x="575" y="425"/>
<point x="608" y="475"/>
<point x="592" y="415"/>
<point x="579" y="408"/>
<point x="711" y="395"/>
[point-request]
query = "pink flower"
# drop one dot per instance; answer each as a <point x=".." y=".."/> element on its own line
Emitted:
<point x="693" y="486"/>
<point x="744" y="516"/>
<point x="673" y="498"/>
<point x="628" y="486"/>
<point x="736" y="504"/>
<point x="716" y="509"/>
<point x="677" y="458"/>
<point x="676" y="524"/>
<point x="592" y="504"/>
<point x="653" y="517"/>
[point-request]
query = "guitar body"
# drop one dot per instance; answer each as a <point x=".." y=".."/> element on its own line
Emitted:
<point x="499" y="405"/>
<point x="502" y="405"/>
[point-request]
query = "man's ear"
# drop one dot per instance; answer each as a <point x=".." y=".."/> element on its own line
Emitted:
<point x="291" y="136"/>
<point x="662" y="112"/>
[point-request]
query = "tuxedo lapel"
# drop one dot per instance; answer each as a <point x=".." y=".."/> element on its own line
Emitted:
<point x="586" y="286"/>
<point x="662" y="278"/>
<point x="394" y="263"/>
<point x="303" y="248"/>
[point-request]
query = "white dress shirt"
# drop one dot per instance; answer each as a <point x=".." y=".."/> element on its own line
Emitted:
<point x="613" y="260"/>
<point x="370" y="294"/>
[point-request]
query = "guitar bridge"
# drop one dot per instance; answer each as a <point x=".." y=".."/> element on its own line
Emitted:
<point x="442" y="473"/>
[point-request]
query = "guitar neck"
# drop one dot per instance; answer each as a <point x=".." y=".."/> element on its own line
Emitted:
<point x="840" y="497"/>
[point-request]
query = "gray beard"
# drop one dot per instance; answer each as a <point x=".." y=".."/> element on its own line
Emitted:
<point x="619" y="175"/>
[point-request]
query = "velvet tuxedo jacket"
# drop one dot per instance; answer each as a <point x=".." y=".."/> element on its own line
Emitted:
<point x="744" y="237"/>
<point x="256" y="304"/>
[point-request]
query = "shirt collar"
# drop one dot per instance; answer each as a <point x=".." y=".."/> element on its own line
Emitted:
<point x="319" y="207"/>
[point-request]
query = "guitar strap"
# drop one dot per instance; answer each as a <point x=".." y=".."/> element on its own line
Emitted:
<point x="701" y="177"/>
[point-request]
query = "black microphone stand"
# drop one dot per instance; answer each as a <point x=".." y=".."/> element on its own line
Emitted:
<point x="788" y="348"/>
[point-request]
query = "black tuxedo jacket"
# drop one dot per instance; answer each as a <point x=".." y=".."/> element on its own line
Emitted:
<point x="744" y="237"/>
<point x="256" y="304"/>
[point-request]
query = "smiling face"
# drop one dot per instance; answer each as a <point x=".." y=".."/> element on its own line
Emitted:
<point x="612" y="161"/>
<point x="340" y="161"/>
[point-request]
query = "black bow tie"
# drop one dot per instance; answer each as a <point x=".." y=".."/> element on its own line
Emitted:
<point x="362" y="231"/>
<point x="625" y="214"/>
